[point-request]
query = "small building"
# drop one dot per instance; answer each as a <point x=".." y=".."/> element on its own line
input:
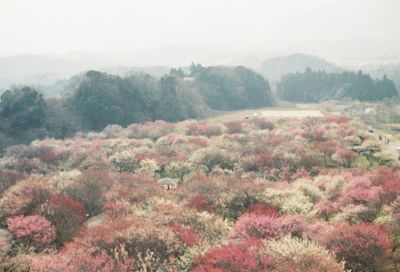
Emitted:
<point x="189" y="79"/>
<point x="169" y="183"/>
<point x="370" y="111"/>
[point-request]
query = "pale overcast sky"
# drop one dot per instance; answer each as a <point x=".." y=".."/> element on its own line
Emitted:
<point x="60" y="26"/>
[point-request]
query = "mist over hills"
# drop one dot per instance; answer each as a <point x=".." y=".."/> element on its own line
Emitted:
<point x="50" y="74"/>
<point x="273" y="69"/>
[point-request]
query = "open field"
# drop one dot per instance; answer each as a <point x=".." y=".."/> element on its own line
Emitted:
<point x="291" y="113"/>
<point x="298" y="110"/>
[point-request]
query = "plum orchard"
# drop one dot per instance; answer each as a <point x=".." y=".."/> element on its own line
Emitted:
<point x="252" y="195"/>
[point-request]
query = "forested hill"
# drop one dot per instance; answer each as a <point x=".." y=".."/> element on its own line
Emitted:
<point x="101" y="99"/>
<point x="273" y="69"/>
<point x="312" y="86"/>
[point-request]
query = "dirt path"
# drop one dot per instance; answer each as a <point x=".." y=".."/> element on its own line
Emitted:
<point x="393" y="145"/>
<point x="5" y="237"/>
<point x="95" y="220"/>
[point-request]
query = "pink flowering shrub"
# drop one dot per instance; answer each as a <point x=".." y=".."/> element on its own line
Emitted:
<point x="200" y="203"/>
<point x="75" y="258"/>
<point x="361" y="190"/>
<point x="336" y="119"/>
<point x="204" y="129"/>
<point x="361" y="246"/>
<point x="263" y="209"/>
<point x="34" y="230"/>
<point x="186" y="235"/>
<point x="324" y="209"/>
<point x="345" y="157"/>
<point x="250" y="226"/>
<point x="389" y="180"/>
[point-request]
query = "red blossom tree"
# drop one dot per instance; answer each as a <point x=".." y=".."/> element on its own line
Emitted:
<point x="346" y="156"/>
<point x="229" y="258"/>
<point x="200" y="203"/>
<point x="33" y="230"/>
<point x="364" y="247"/>
<point x="66" y="215"/>
<point x="186" y="235"/>
<point x="389" y="179"/>
<point x="252" y="226"/>
<point x="263" y="209"/>
<point x="360" y="190"/>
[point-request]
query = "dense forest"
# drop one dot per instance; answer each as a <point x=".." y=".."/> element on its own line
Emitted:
<point x="101" y="99"/>
<point x="315" y="86"/>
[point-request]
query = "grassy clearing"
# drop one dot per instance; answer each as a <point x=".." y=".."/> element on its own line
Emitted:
<point x="295" y="111"/>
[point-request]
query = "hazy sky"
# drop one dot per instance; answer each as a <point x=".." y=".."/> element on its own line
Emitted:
<point x="59" y="26"/>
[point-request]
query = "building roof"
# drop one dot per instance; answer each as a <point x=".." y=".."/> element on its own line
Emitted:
<point x="168" y="181"/>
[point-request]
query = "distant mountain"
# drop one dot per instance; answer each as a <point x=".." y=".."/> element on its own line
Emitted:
<point x="46" y="72"/>
<point x="273" y="69"/>
<point x="34" y="69"/>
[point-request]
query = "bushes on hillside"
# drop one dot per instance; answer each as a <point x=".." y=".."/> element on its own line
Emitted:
<point x="34" y="232"/>
<point x="361" y="246"/>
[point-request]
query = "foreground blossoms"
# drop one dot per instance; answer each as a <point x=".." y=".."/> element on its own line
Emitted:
<point x="252" y="195"/>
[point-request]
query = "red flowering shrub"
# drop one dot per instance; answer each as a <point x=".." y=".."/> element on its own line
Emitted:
<point x="200" y="203"/>
<point x="360" y="190"/>
<point x="132" y="188"/>
<point x="35" y="231"/>
<point x="264" y="160"/>
<point x="53" y="157"/>
<point x="335" y="119"/>
<point x="204" y="129"/>
<point x="262" y="208"/>
<point x="274" y="140"/>
<point x="66" y="215"/>
<point x="345" y="157"/>
<point x="328" y="148"/>
<point x="186" y="235"/>
<point x="117" y="208"/>
<point x="250" y="226"/>
<point x="316" y="135"/>
<point x="324" y="209"/>
<point x="295" y="225"/>
<point x="364" y="247"/>
<point x="229" y="258"/>
<point x="199" y="141"/>
<point x="390" y="182"/>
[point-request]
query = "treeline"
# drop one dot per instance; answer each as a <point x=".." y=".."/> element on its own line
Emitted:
<point x="102" y="99"/>
<point x="312" y="86"/>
